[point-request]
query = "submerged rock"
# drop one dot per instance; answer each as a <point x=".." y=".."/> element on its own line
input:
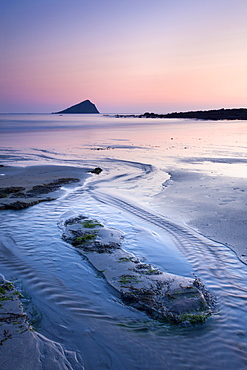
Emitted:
<point x="162" y="295"/>
<point x="18" y="205"/>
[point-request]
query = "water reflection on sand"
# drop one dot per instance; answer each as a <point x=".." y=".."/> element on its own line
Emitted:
<point x="158" y="176"/>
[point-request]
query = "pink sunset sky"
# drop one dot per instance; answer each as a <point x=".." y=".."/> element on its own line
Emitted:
<point x="125" y="56"/>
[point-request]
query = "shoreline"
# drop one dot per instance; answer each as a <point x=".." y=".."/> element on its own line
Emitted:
<point x="213" y="114"/>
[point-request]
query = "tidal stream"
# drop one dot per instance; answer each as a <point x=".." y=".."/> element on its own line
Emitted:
<point x="70" y="302"/>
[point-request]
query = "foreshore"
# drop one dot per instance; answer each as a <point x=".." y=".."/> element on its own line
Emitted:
<point x="21" y="347"/>
<point x="30" y="185"/>
<point x="22" y="187"/>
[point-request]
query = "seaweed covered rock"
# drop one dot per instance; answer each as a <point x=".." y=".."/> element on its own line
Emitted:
<point x="20" y="347"/>
<point x="161" y="295"/>
<point x="24" y="198"/>
<point x="12" y="318"/>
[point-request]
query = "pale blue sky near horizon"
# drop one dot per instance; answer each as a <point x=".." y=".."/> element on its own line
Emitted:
<point x="130" y="56"/>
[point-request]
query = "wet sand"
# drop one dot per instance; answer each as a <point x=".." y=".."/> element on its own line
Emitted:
<point x="209" y="204"/>
<point x="212" y="205"/>
<point x="186" y="174"/>
<point x="36" y="175"/>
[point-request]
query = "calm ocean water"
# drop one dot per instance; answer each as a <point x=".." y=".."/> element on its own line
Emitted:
<point x="156" y="173"/>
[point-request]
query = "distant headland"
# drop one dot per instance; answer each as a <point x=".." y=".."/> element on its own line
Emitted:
<point x="85" y="107"/>
<point x="215" y="114"/>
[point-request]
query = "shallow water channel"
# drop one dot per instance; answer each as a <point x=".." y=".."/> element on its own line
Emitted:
<point x="68" y="300"/>
<point x="75" y="307"/>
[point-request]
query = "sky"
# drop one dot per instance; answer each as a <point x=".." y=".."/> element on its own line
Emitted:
<point x="128" y="56"/>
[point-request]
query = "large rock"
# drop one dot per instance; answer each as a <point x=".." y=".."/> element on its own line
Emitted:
<point x="84" y="107"/>
<point x="162" y="295"/>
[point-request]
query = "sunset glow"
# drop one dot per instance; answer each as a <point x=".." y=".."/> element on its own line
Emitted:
<point x="131" y="56"/>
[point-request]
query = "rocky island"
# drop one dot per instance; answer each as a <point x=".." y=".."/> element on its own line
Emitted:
<point x="85" y="107"/>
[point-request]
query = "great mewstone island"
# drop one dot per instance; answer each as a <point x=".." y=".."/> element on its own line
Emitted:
<point x="86" y="107"/>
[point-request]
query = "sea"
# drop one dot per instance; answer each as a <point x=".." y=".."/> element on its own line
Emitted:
<point x="177" y="190"/>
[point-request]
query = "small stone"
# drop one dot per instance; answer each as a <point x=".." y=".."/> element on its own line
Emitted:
<point x="97" y="170"/>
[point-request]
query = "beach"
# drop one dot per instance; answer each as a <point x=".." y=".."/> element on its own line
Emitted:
<point x="226" y="224"/>
<point x="175" y="189"/>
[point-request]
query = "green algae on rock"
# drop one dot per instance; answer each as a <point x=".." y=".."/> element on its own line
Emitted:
<point x="18" y="205"/>
<point x="20" y="346"/>
<point x="163" y="296"/>
<point x="26" y="198"/>
<point x="13" y="320"/>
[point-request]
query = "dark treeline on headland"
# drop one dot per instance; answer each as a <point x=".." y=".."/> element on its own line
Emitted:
<point x="215" y="114"/>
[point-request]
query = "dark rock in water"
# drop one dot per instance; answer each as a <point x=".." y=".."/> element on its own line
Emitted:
<point x="84" y="107"/>
<point x="97" y="170"/>
<point x="17" y="206"/>
<point x="163" y="296"/>
<point x="52" y="186"/>
<point x="12" y="191"/>
<point x="35" y="194"/>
